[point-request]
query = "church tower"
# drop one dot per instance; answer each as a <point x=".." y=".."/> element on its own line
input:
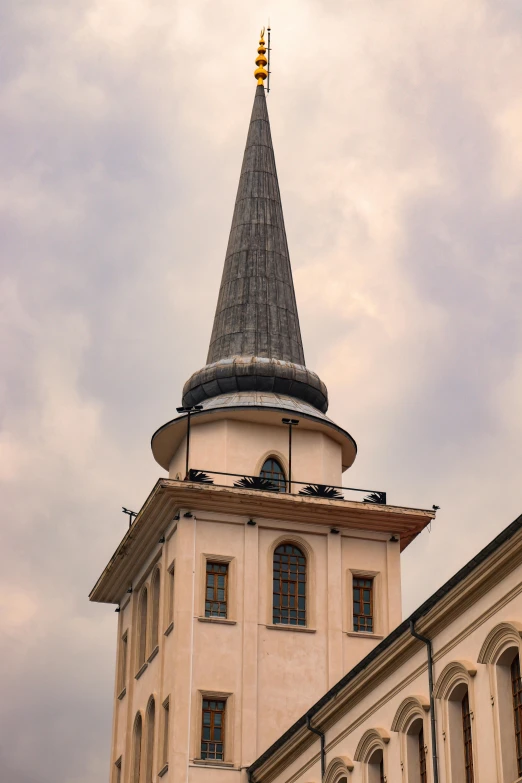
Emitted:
<point x="250" y="580"/>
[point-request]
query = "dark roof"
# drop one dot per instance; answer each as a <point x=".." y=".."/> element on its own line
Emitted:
<point x="403" y="628"/>
<point x="256" y="313"/>
<point x="256" y="339"/>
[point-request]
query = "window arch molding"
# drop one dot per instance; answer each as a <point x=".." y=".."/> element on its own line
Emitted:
<point x="338" y="768"/>
<point x="371" y="740"/>
<point x="409" y="709"/>
<point x="307" y="550"/>
<point x="273" y="454"/>
<point x="454" y="673"/>
<point x="371" y="751"/>
<point x="410" y="722"/>
<point x="500" y="639"/>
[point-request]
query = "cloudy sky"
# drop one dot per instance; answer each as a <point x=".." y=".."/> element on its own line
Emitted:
<point x="398" y="135"/>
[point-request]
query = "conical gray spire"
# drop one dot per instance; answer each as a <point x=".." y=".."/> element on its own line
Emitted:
<point x="256" y="313"/>
<point x="256" y="340"/>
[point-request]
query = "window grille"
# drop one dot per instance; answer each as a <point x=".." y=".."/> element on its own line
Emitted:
<point x="468" y="741"/>
<point x="273" y="471"/>
<point x="289" y="588"/>
<point x="213" y="729"/>
<point x="216" y="590"/>
<point x="363" y="604"/>
<point x="423" y="767"/>
<point x="516" y="685"/>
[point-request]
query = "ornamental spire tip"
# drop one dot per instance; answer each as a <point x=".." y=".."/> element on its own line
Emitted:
<point x="261" y="73"/>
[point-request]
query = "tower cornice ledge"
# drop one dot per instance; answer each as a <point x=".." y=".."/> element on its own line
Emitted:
<point x="253" y="406"/>
<point x="170" y="495"/>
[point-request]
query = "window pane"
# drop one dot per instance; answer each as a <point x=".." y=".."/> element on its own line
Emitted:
<point x="273" y="472"/>
<point x="289" y="580"/>
<point x="363" y="604"/>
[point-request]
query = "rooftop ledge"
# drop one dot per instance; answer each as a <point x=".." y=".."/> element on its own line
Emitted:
<point x="170" y="495"/>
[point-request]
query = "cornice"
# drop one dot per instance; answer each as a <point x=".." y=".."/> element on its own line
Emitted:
<point x="169" y="495"/>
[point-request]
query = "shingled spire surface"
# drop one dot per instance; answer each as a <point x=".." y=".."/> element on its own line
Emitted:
<point x="256" y="340"/>
<point x="256" y="313"/>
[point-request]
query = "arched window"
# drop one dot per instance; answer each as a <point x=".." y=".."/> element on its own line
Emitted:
<point x="516" y="689"/>
<point x="289" y="589"/>
<point x="501" y="651"/>
<point x="453" y="690"/>
<point x="416" y="755"/>
<point x="370" y="751"/>
<point x="273" y="471"/>
<point x="155" y="597"/>
<point x="142" y="628"/>
<point x="151" y="721"/>
<point x="136" y="755"/>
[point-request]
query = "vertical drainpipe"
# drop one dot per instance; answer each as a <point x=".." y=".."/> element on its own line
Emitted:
<point x="429" y="648"/>
<point x="323" y="752"/>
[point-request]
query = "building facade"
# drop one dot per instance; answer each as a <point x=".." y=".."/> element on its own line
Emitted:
<point x="383" y="722"/>
<point x="260" y="634"/>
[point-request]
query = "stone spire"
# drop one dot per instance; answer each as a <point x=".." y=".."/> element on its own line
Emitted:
<point x="256" y="340"/>
<point x="256" y="313"/>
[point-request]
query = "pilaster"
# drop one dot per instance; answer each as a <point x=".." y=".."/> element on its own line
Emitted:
<point x="335" y="609"/>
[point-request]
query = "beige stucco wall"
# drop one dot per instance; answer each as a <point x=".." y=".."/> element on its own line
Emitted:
<point x="241" y="447"/>
<point x="457" y="651"/>
<point x="272" y="675"/>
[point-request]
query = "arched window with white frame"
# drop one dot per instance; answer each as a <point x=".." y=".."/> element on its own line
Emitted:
<point x="410" y="722"/>
<point x="501" y="653"/>
<point x="371" y="752"/>
<point x="454" y="691"/>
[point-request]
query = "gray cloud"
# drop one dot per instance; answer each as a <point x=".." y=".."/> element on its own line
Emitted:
<point x="397" y="133"/>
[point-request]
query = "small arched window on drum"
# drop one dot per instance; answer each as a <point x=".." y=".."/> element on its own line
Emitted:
<point x="289" y="594"/>
<point x="272" y="471"/>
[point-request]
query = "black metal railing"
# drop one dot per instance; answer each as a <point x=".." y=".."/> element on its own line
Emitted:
<point x="307" y="489"/>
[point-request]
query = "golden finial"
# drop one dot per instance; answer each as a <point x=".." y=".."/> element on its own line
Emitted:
<point x="261" y="73"/>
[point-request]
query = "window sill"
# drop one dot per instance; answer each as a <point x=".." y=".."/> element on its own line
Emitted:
<point x="140" y="671"/>
<point x="169" y="629"/>
<point x="222" y="620"/>
<point x="122" y="693"/>
<point x="163" y="770"/>
<point x="153" y="654"/>
<point x="213" y="763"/>
<point x="364" y="635"/>
<point x="298" y="628"/>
